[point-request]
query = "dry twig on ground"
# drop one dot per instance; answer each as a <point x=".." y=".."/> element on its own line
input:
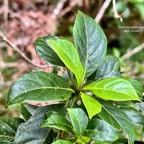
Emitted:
<point x="102" y="11"/>
<point x="132" y="52"/>
<point x="4" y="38"/>
<point x="68" y="8"/>
<point x="58" y="8"/>
<point x="7" y="65"/>
<point x="116" y="15"/>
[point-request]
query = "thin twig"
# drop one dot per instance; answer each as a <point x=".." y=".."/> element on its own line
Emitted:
<point x="116" y="15"/>
<point x="67" y="9"/>
<point x="6" y="3"/>
<point x="1" y="77"/>
<point x="4" y="38"/>
<point x="1" y="80"/>
<point x="10" y="64"/>
<point x="102" y="10"/>
<point x="132" y="52"/>
<point x="87" y="5"/>
<point x="58" y="8"/>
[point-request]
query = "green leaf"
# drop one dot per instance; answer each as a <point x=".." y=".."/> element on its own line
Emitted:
<point x="8" y="128"/>
<point x="92" y="106"/>
<point x="68" y="54"/>
<point x="138" y="4"/>
<point x="46" y="52"/>
<point x="83" y="140"/>
<point x="138" y="87"/>
<point x="62" y="142"/>
<point x="58" y="122"/>
<point x="139" y="106"/>
<point x="115" y="89"/>
<point x="39" y="86"/>
<point x="133" y="114"/>
<point x="122" y="120"/>
<point x="109" y="119"/>
<point x="27" y="110"/>
<point x="90" y="42"/>
<point x="99" y="130"/>
<point x="108" y="69"/>
<point x="31" y="131"/>
<point x="78" y="119"/>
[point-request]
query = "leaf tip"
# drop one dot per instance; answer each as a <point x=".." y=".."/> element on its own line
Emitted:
<point x="43" y="125"/>
<point x="79" y="12"/>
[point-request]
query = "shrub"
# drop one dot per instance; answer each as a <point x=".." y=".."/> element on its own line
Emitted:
<point x="96" y="104"/>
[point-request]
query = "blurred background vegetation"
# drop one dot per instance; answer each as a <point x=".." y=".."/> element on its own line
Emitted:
<point x="23" y="21"/>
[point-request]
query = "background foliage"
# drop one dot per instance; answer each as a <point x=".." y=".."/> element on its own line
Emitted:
<point x="24" y="21"/>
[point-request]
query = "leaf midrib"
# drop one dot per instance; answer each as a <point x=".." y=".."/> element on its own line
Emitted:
<point x="7" y="136"/>
<point x="107" y="90"/>
<point x="8" y="126"/>
<point x="48" y="88"/>
<point x="116" y="68"/>
<point x="117" y="121"/>
<point x="76" y="68"/>
<point x="97" y="131"/>
<point x="86" y="59"/>
<point x="67" y="56"/>
<point x="68" y="89"/>
<point x="78" y="123"/>
<point x="54" y="124"/>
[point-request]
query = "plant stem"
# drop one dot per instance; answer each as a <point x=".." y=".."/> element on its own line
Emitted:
<point x="102" y="11"/>
<point x="58" y="8"/>
<point x="72" y="79"/>
<point x="116" y="15"/>
<point x="132" y="52"/>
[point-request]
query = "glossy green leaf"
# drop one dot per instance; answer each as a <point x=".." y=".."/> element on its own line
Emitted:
<point x="83" y="140"/>
<point x="58" y="122"/>
<point x="108" y="69"/>
<point x="39" y="86"/>
<point x="139" y="106"/>
<point x="92" y="106"/>
<point x="62" y="142"/>
<point x="138" y="87"/>
<point x="136" y="116"/>
<point x="116" y="89"/>
<point x="31" y="131"/>
<point x="139" y="6"/>
<point x="90" y="42"/>
<point x="99" y="130"/>
<point x="8" y="128"/>
<point x="68" y="54"/>
<point x="78" y="119"/>
<point x="122" y="120"/>
<point x="109" y="119"/>
<point x="46" y="52"/>
<point x="27" y="110"/>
